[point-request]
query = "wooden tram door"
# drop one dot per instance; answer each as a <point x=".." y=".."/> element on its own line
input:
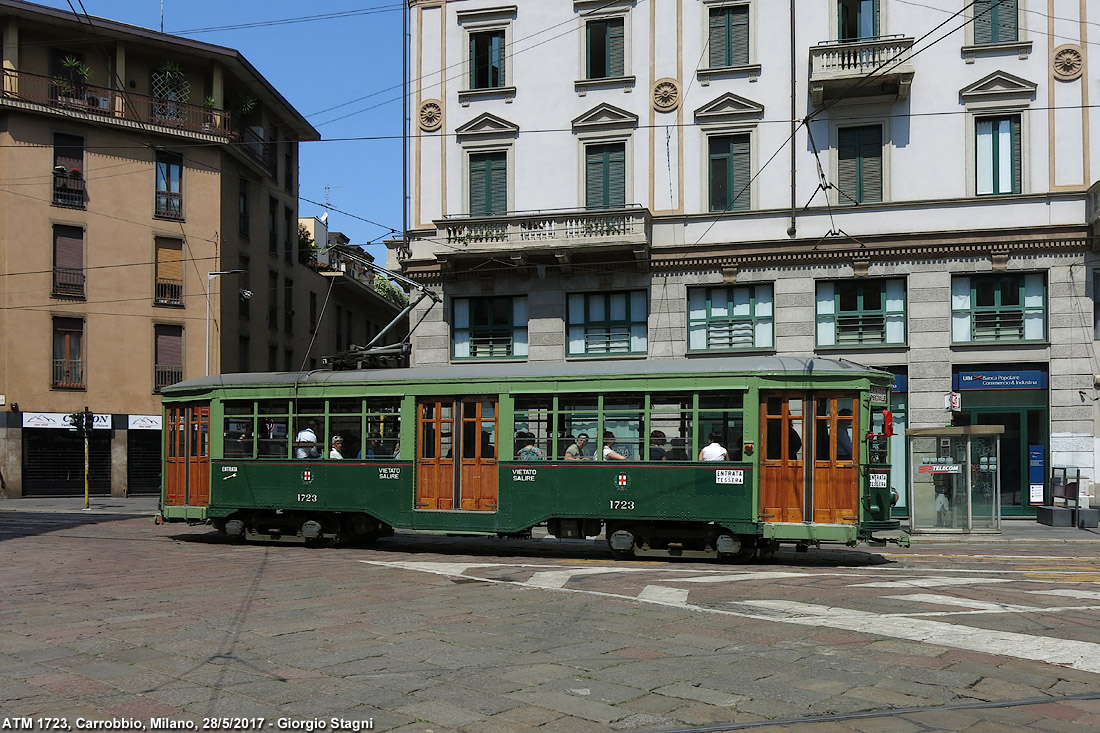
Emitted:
<point x="782" y="469"/>
<point x="466" y="428"/>
<point x="810" y="452"/>
<point x="187" y="455"/>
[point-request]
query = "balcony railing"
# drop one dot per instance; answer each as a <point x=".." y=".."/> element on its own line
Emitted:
<point x="168" y="291"/>
<point x="68" y="189"/>
<point x="169" y="205"/>
<point x="836" y="65"/>
<point x="68" y="373"/>
<point x="166" y="375"/>
<point x="569" y="229"/>
<point x="68" y="282"/>
<point x="21" y="86"/>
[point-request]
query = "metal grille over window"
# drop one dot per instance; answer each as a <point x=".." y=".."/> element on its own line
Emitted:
<point x="861" y="313"/>
<point x="730" y="318"/>
<point x="490" y="328"/>
<point x="998" y="308"/>
<point x="169" y="278"/>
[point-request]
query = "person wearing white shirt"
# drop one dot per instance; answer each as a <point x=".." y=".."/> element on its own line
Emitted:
<point x="714" y="450"/>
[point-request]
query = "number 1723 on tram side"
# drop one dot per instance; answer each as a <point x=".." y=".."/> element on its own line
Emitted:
<point x="703" y="458"/>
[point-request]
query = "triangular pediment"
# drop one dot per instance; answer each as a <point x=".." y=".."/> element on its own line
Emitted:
<point x="487" y="125"/>
<point x="605" y="115"/>
<point x="729" y="107"/>
<point x="998" y="85"/>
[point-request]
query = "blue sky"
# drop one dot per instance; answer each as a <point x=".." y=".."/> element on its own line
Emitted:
<point x="316" y="65"/>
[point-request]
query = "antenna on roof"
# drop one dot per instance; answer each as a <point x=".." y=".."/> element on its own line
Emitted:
<point x="162" y="16"/>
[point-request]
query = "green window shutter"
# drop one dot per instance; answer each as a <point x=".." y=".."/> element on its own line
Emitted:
<point x="719" y="174"/>
<point x="1006" y="21"/>
<point x="738" y="36"/>
<point x="983" y="21"/>
<point x="742" y="172"/>
<point x="871" y="164"/>
<point x="498" y="184"/>
<point x="848" y="163"/>
<point x="718" y="46"/>
<point x="616" y="177"/>
<point x="616" y="47"/>
<point x="478" y="185"/>
<point x="594" y="177"/>
<point x="1017" y="157"/>
<point x="501" y="56"/>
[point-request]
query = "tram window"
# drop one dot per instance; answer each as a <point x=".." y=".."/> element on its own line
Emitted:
<point x="727" y="401"/>
<point x="309" y="407"/>
<point x="273" y="441"/>
<point x="623" y="402"/>
<point x="671" y="427"/>
<point x="823" y="436"/>
<point x="446" y="440"/>
<point x="427" y="438"/>
<point x="532" y="416"/>
<point x="348" y="429"/>
<point x="345" y="407"/>
<point x="578" y="414"/>
<point x="722" y="414"/>
<point x="238" y="407"/>
<point x="238" y="438"/>
<point x="385" y="431"/>
<point x="273" y="407"/>
<point x="384" y="405"/>
<point x="627" y="430"/>
<point x="305" y="448"/>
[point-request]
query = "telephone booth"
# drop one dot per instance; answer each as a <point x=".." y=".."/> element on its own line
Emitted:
<point x="955" y="479"/>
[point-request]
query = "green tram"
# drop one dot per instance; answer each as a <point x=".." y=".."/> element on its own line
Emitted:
<point x="438" y="449"/>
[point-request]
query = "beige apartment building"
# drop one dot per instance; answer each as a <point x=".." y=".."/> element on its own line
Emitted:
<point x="137" y="171"/>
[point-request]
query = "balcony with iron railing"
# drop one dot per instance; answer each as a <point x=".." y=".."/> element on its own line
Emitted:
<point x="168" y="291"/>
<point x="68" y="374"/>
<point x="559" y="232"/>
<point x="164" y="376"/>
<point x="68" y="188"/>
<point x="68" y="282"/>
<point x="169" y="205"/>
<point x="23" y="89"/>
<point x="845" y="67"/>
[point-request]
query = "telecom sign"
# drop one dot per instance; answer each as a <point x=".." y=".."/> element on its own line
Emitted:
<point x="1021" y="379"/>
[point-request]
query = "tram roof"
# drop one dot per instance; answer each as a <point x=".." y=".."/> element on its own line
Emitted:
<point x="764" y="365"/>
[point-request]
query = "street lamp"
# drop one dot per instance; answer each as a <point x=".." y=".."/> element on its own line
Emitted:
<point x="209" y="279"/>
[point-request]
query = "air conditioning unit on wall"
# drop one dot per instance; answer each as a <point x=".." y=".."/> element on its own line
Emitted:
<point x="98" y="102"/>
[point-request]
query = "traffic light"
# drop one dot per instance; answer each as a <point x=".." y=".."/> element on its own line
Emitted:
<point x="89" y="420"/>
<point x="76" y="419"/>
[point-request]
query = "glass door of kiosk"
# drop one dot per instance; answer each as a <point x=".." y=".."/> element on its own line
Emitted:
<point x="954" y="479"/>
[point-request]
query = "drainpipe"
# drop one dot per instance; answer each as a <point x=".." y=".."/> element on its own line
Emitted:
<point x="792" y="230"/>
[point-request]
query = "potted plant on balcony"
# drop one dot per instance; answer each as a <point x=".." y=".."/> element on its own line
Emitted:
<point x="209" y="104"/>
<point x="73" y="80"/>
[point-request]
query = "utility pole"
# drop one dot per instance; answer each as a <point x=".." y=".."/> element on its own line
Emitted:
<point x="83" y="422"/>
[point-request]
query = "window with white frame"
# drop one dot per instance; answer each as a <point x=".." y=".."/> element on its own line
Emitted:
<point x="487" y="59"/>
<point x="998" y="154"/>
<point x="489" y="328"/>
<point x="996" y="21"/>
<point x="998" y="307"/>
<point x="859" y="164"/>
<point x="730" y="172"/>
<point x="857" y="20"/>
<point x="861" y="313"/>
<point x="605" y="48"/>
<point x="489" y="183"/>
<point x="728" y="37"/>
<point x="730" y="317"/>
<point x="605" y="175"/>
<point x="600" y="324"/>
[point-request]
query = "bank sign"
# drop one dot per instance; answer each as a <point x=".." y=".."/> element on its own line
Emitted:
<point x="1021" y="379"/>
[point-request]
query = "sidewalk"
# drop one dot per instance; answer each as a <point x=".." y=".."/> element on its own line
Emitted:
<point x="1012" y="530"/>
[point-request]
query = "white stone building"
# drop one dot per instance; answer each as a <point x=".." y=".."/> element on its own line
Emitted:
<point x="622" y="179"/>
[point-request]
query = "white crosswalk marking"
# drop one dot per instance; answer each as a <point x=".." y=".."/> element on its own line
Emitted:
<point x="1083" y="655"/>
<point x="558" y="578"/>
<point x="929" y="582"/>
<point x="962" y="602"/>
<point x="739" y="576"/>
<point x="1069" y="593"/>
<point x="676" y="596"/>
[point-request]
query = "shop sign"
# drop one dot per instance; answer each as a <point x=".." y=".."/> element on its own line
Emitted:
<point x="143" y="422"/>
<point x="939" y="468"/>
<point x="1018" y="379"/>
<point x="60" y="420"/>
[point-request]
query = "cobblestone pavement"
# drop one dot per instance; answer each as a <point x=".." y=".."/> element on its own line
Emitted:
<point x="111" y="618"/>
